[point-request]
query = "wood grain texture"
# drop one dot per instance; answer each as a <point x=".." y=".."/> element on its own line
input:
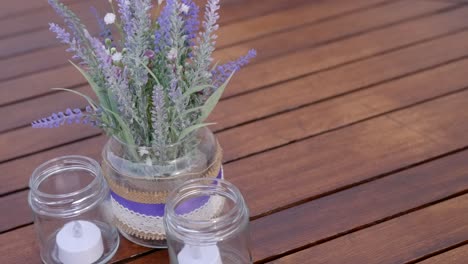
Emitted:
<point x="283" y="97"/>
<point x="298" y="125"/>
<point x="455" y="42"/>
<point x="455" y="256"/>
<point x="270" y="46"/>
<point x="42" y="38"/>
<point x="57" y="56"/>
<point x="358" y="207"/>
<point x="350" y="122"/>
<point x="400" y="240"/>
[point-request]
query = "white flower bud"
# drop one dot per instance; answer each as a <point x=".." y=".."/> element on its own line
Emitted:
<point x="109" y="18"/>
<point x="116" y="57"/>
<point x="184" y="8"/>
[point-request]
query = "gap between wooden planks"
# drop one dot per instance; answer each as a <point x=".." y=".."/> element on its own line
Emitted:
<point x="401" y="240"/>
<point x="362" y="137"/>
<point x="268" y="47"/>
<point x="387" y="197"/>
<point x="41" y="39"/>
<point x="439" y="52"/>
<point x="454" y="256"/>
<point x="354" y="209"/>
<point x="56" y="55"/>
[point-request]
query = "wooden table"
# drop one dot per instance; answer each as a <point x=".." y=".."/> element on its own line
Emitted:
<point x="348" y="135"/>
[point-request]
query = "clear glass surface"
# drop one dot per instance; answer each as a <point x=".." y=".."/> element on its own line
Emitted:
<point x="67" y="190"/>
<point x="140" y="173"/>
<point x="207" y="221"/>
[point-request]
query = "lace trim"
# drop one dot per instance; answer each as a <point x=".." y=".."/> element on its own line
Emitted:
<point x="152" y="227"/>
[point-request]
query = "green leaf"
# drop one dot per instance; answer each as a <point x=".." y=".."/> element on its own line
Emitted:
<point x="196" y="89"/>
<point x="100" y="92"/>
<point x="190" y="129"/>
<point x="195" y="109"/>
<point x="151" y="73"/>
<point x="90" y="101"/>
<point x="213" y="100"/>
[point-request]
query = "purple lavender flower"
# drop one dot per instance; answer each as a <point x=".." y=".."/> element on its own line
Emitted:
<point x="192" y="24"/>
<point x="222" y="72"/>
<point x="163" y="34"/>
<point x="69" y="117"/>
<point x="61" y="33"/>
<point x="105" y="30"/>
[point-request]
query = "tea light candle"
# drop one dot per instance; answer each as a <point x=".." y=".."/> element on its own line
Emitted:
<point x="79" y="242"/>
<point x="199" y="255"/>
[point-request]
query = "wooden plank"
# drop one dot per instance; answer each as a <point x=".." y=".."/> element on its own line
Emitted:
<point x="33" y="62"/>
<point x="291" y="126"/>
<point x="363" y="150"/>
<point x="363" y="142"/>
<point x="29" y="110"/>
<point x="23" y="7"/>
<point x="294" y="17"/>
<point x="354" y="208"/>
<point x="284" y="97"/>
<point x="296" y="64"/>
<point x="16" y="217"/>
<point x="424" y="85"/>
<point x="24" y="24"/>
<point x="455" y="256"/>
<point x="25" y="239"/>
<point x="305" y="122"/>
<point x="230" y="12"/>
<point x="41" y="12"/>
<point x="400" y="240"/>
<point x="440" y="50"/>
<point x="450" y="173"/>
<point x="268" y="47"/>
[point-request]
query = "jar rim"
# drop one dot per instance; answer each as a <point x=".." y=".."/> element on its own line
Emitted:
<point x="36" y="179"/>
<point x="120" y="141"/>
<point x="177" y="195"/>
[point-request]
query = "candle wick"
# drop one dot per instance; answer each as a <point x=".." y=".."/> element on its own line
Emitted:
<point x="77" y="229"/>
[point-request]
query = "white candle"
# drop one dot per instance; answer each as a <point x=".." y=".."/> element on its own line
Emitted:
<point x="79" y="242"/>
<point x="199" y="255"/>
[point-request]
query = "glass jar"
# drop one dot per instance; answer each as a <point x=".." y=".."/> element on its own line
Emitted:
<point x="141" y="178"/>
<point x="207" y="222"/>
<point x="72" y="214"/>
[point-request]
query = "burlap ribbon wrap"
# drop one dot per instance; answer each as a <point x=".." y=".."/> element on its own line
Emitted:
<point x="214" y="170"/>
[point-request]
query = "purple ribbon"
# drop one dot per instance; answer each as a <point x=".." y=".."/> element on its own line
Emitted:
<point x="158" y="209"/>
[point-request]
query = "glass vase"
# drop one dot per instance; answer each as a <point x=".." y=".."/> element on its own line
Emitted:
<point x="141" y="178"/>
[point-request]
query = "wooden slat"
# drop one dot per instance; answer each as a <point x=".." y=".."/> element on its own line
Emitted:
<point x="439" y="50"/>
<point x="391" y="44"/>
<point x="355" y="208"/>
<point x="280" y="21"/>
<point x="424" y="85"/>
<point x="351" y="149"/>
<point x="33" y="62"/>
<point x="20" y="246"/>
<point x="296" y="125"/>
<point x="230" y="12"/>
<point x="401" y="240"/>
<point x="299" y="63"/>
<point x="284" y="97"/>
<point x="456" y="256"/>
<point x="24" y="24"/>
<point x="23" y="7"/>
<point x="268" y="47"/>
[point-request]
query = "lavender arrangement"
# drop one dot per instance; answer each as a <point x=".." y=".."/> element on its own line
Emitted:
<point x="155" y="80"/>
